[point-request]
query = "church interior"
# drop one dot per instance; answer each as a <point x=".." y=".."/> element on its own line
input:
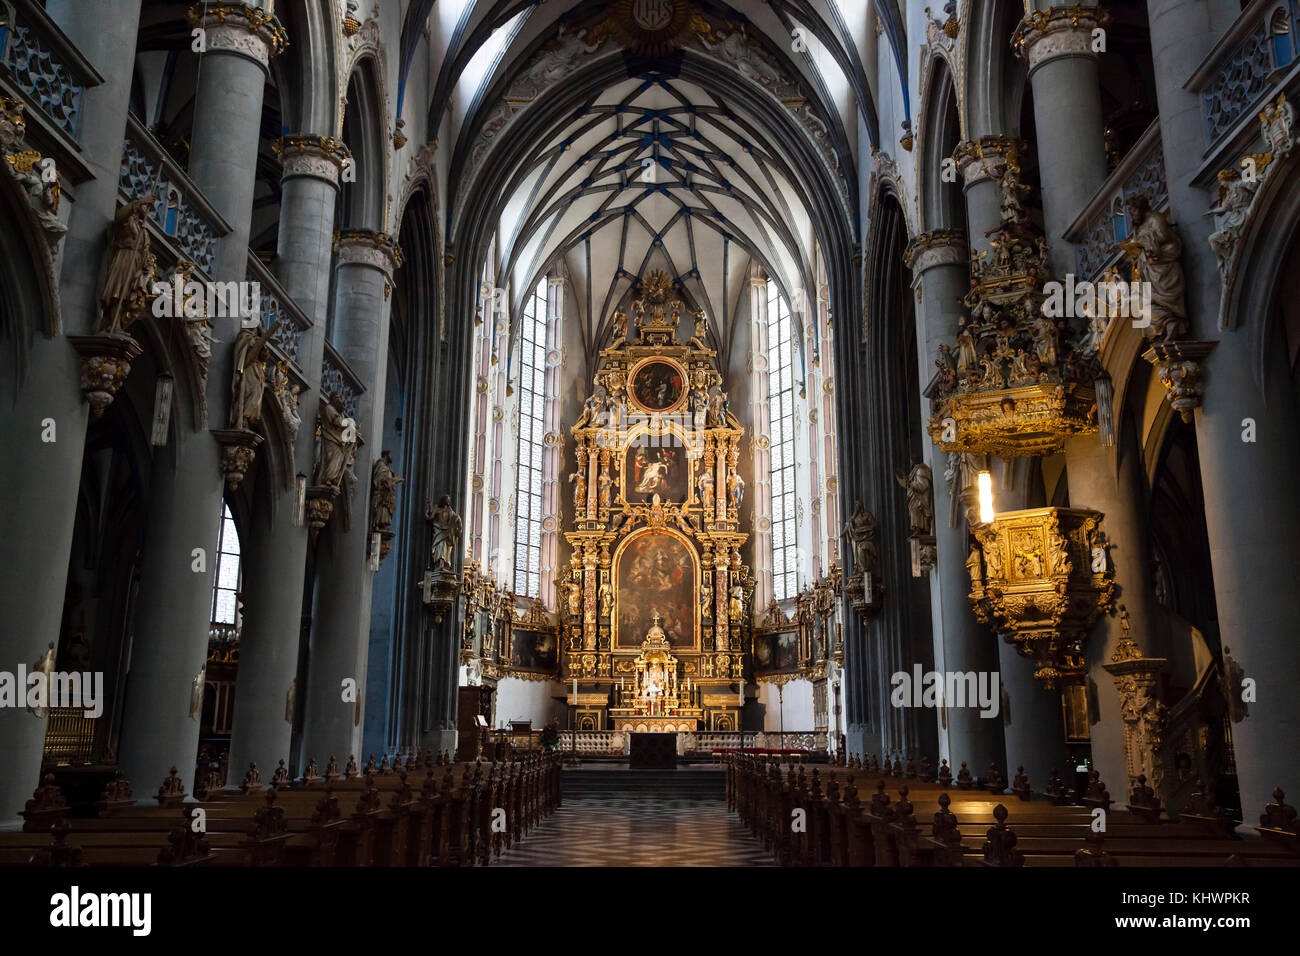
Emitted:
<point x="769" y="433"/>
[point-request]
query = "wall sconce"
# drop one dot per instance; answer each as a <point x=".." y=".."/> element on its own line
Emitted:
<point x="987" y="514"/>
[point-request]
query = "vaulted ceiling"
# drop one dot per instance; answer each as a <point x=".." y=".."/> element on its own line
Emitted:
<point x="655" y="169"/>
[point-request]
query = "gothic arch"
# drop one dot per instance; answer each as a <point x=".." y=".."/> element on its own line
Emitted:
<point x="994" y="76"/>
<point x="941" y="203"/>
<point x="365" y="130"/>
<point x="309" y="68"/>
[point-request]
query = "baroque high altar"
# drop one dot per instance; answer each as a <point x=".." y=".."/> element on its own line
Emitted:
<point x="657" y="630"/>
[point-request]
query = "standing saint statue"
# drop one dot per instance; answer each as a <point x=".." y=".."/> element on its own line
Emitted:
<point x="338" y="442"/>
<point x="383" y="492"/>
<point x="1157" y="255"/>
<point x="445" y="530"/>
<point x="735" y="490"/>
<point x="249" y="382"/>
<point x="130" y="267"/>
<point x="918" y="483"/>
<point x="861" y="532"/>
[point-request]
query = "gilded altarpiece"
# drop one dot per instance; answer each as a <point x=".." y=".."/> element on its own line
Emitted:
<point x="656" y="575"/>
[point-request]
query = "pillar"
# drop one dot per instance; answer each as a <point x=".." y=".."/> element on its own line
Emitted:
<point x="159" y="727"/>
<point x="1067" y="116"/>
<point x="275" y="552"/>
<point x="1252" y="516"/>
<point x="341" y="618"/>
<point x="978" y="161"/>
<point x="45" y="477"/>
<point x="939" y="268"/>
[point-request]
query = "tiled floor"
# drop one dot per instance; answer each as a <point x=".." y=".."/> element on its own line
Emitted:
<point x="634" y="831"/>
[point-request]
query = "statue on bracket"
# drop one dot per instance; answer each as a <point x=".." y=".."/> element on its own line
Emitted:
<point x="337" y="445"/>
<point x="1157" y="254"/>
<point x="445" y="531"/>
<point x="861" y="532"/>
<point x="383" y="492"/>
<point x="249" y="382"/>
<point x="919" y="485"/>
<point x="130" y="267"/>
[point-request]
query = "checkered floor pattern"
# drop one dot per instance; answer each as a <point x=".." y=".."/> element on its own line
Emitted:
<point x="636" y="831"/>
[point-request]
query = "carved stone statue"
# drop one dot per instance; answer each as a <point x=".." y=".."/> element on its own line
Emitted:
<point x="445" y="531"/>
<point x="130" y="267"/>
<point x="919" y="485"/>
<point x="1230" y="211"/>
<point x="383" y="492"/>
<point x="338" y="443"/>
<point x="1157" y="254"/>
<point x="606" y="599"/>
<point x="286" y="397"/>
<point x="249" y="380"/>
<point x="861" y="532"/>
<point x="1013" y="192"/>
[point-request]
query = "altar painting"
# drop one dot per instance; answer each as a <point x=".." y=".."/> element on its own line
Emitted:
<point x="658" y="386"/>
<point x="651" y="470"/>
<point x="656" y="574"/>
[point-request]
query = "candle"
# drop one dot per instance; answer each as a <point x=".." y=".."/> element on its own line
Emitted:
<point x="575" y="690"/>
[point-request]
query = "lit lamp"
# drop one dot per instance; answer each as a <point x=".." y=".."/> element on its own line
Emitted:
<point x="987" y="514"/>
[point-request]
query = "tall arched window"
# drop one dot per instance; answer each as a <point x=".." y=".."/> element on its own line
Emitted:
<point x="531" y="398"/>
<point x="781" y="402"/>
<point x="227" y="621"/>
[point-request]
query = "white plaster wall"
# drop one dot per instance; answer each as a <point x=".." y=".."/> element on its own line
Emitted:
<point x="797" y="707"/>
<point x="532" y="700"/>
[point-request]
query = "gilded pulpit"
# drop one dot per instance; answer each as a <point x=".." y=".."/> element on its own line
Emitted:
<point x="656" y="574"/>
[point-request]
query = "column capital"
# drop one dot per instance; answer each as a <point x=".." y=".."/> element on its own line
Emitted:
<point x="1058" y="32"/>
<point x="240" y="29"/>
<point x="369" y="248"/>
<point x="978" y="159"/>
<point x="937" y="248"/>
<point x="321" y="157"/>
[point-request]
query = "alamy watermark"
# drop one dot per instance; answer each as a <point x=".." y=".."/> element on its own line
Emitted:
<point x="922" y="688"/>
<point x="40" y="690"/>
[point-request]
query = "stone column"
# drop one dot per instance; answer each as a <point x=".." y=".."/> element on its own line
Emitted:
<point x="1251" y="513"/>
<point x="340" y="639"/>
<point x="1067" y="116"/>
<point x="1072" y="167"/>
<point x="160" y="728"/>
<point x="1031" y="716"/>
<point x="36" y="536"/>
<point x="1112" y="481"/>
<point x="940" y="269"/>
<point x="978" y="161"/>
<point x="275" y="553"/>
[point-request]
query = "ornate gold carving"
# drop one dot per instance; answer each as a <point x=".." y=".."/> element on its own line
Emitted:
<point x="1037" y="586"/>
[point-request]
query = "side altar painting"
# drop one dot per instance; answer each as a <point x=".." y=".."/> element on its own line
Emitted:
<point x="656" y="578"/>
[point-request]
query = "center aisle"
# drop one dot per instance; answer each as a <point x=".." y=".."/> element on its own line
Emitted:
<point x="618" y="817"/>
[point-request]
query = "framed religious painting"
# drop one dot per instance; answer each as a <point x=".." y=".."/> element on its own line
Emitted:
<point x="656" y="573"/>
<point x="657" y="385"/>
<point x="661" y="469"/>
<point x="533" y="651"/>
